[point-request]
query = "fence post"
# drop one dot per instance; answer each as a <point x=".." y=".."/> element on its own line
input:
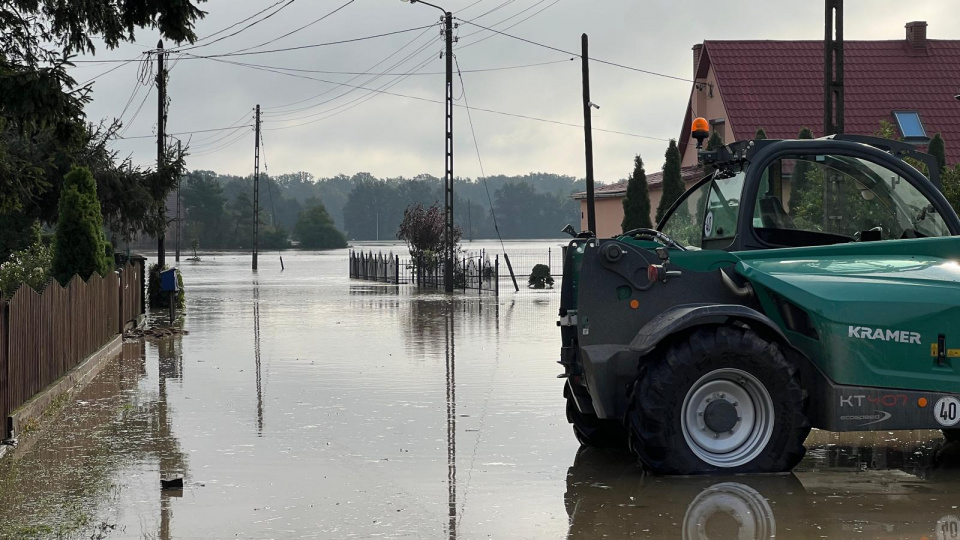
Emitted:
<point x="550" y="259"/>
<point x="5" y="399"/>
<point x="496" y="275"/>
<point x="397" y="277"/>
<point x="120" y="317"/>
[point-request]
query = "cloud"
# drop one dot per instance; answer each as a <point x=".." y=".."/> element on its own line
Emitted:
<point x="389" y="135"/>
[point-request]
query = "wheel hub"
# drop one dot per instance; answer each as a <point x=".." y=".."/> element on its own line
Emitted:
<point x="727" y="418"/>
<point x="720" y="416"/>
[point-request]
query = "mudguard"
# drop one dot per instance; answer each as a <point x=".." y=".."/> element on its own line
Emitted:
<point x="683" y="317"/>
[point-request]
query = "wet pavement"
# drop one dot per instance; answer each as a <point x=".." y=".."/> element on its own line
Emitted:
<point x="305" y="405"/>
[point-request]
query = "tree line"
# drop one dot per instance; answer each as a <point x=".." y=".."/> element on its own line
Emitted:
<point x="219" y="207"/>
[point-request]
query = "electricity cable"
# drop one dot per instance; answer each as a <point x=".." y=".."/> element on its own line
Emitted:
<point x="290" y="33"/>
<point x="429" y="100"/>
<point x="476" y="144"/>
<point x="254" y="23"/>
<point x="369" y="70"/>
<point x="599" y="61"/>
<point x="271" y="51"/>
<point x="527" y="18"/>
<point x="276" y="115"/>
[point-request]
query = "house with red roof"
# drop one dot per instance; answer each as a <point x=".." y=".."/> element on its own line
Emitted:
<point x="741" y="86"/>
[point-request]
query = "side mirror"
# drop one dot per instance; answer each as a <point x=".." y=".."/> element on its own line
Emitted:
<point x="570" y="230"/>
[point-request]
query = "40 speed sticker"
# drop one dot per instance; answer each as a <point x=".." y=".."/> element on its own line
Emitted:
<point x="947" y="411"/>
<point x="948" y="528"/>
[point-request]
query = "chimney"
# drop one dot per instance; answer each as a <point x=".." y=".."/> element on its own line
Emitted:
<point x="697" y="49"/>
<point x="917" y="34"/>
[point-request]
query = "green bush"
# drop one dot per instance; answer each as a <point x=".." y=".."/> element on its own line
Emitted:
<point x="540" y="277"/>
<point x="30" y="266"/>
<point x="315" y="228"/>
<point x="79" y="244"/>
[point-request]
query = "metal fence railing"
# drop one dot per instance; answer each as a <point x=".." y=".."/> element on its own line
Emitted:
<point x="473" y="271"/>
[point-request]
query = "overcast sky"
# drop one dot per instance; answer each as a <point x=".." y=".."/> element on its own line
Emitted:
<point x="348" y="130"/>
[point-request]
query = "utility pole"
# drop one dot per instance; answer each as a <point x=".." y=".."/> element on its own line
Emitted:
<point x="448" y="182"/>
<point x="179" y="223"/>
<point x="161" y="136"/>
<point x="256" y="189"/>
<point x="588" y="134"/>
<point x="833" y="68"/>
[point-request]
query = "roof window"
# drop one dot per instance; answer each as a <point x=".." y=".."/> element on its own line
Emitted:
<point x="910" y="126"/>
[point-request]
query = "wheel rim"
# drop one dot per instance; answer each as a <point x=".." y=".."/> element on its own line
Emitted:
<point x="745" y="508"/>
<point x="727" y="418"/>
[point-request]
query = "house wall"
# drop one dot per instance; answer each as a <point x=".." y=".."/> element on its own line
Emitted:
<point x="609" y="215"/>
<point x="711" y="108"/>
<point x="610" y="212"/>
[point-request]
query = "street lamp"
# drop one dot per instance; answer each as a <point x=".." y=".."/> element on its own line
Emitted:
<point x="448" y="179"/>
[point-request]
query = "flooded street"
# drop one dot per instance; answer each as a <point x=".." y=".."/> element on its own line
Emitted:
<point x="302" y="404"/>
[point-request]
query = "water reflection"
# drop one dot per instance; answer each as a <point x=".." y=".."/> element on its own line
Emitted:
<point x="63" y="479"/>
<point x="451" y="380"/>
<point x="609" y="495"/>
<point x="256" y="355"/>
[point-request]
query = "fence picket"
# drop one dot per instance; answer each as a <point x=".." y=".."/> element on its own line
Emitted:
<point x="44" y="335"/>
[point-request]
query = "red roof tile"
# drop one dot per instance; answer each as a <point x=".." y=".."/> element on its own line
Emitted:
<point x="778" y="85"/>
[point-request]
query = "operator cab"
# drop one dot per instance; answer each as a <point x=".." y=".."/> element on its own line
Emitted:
<point x="768" y="194"/>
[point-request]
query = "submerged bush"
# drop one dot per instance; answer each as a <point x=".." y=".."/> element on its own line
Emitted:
<point x="540" y="277"/>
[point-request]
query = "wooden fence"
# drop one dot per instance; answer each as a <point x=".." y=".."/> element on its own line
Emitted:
<point x="44" y="335"/>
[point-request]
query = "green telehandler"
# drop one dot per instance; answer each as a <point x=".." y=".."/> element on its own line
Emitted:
<point x="799" y="284"/>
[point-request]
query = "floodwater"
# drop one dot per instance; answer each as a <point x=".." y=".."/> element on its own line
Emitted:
<point x="305" y="405"/>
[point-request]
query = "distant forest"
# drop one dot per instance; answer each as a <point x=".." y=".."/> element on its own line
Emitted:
<point x="219" y="207"/>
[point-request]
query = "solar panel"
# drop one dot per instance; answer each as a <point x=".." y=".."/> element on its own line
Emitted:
<point x="910" y="125"/>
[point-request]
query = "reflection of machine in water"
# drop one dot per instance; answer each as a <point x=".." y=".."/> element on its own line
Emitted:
<point x="608" y="495"/>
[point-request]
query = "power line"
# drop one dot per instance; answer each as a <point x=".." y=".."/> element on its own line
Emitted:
<point x="476" y="144"/>
<point x="290" y="33"/>
<point x="368" y="81"/>
<point x="136" y="114"/>
<point x="271" y="51"/>
<point x="346" y="83"/>
<point x="521" y="12"/>
<point x="599" y="61"/>
<point x="183" y="132"/>
<point x="484" y="70"/>
<point x="254" y="23"/>
<point x="217" y="139"/>
<point x="223" y="146"/>
<point x="391" y="55"/>
<point x="354" y="103"/>
<point x="240" y="22"/>
<point x="484" y="14"/>
<point x="107" y="72"/>
<point x="428" y="100"/>
<point x="243" y="116"/>
<point x="521" y="21"/>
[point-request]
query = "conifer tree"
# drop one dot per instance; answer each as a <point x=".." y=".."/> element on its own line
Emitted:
<point x="760" y="134"/>
<point x="937" y="149"/>
<point x="798" y="179"/>
<point x="673" y="186"/>
<point x="636" y="205"/>
<point x="79" y="246"/>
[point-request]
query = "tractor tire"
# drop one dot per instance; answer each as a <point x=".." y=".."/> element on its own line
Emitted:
<point x="595" y="432"/>
<point x="719" y="400"/>
<point x="951" y="435"/>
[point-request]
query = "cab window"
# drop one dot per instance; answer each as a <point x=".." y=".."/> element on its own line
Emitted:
<point x="707" y="215"/>
<point x="826" y="199"/>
